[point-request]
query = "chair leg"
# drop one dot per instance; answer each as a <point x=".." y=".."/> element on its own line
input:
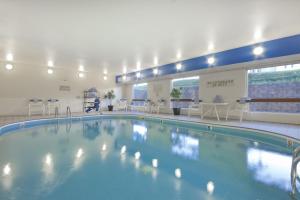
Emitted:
<point x="241" y="116"/>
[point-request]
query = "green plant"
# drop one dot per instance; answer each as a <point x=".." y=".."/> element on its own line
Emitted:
<point x="175" y="93"/>
<point x="110" y="95"/>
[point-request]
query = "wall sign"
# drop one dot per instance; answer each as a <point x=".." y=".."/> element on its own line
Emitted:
<point x="220" y="83"/>
<point x="64" y="88"/>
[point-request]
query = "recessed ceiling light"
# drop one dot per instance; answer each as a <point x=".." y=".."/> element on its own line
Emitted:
<point x="9" y="66"/>
<point x="105" y="71"/>
<point x="258" y="50"/>
<point x="9" y="57"/>
<point x="211" y="60"/>
<point x="138" y="65"/>
<point x="105" y="78"/>
<point x="178" y="66"/>
<point x="155" y="71"/>
<point x="124" y="70"/>
<point x="50" y="71"/>
<point x="50" y="63"/>
<point x="81" y="68"/>
<point x="138" y="74"/>
<point x="81" y="75"/>
<point x="124" y="77"/>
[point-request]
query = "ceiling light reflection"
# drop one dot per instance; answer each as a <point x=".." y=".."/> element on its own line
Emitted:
<point x="210" y="187"/>
<point x="7" y="170"/>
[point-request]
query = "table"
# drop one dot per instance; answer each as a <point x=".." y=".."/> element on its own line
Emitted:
<point x="212" y="106"/>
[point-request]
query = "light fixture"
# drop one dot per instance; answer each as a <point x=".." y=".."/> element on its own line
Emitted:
<point x="50" y="63"/>
<point x="155" y="163"/>
<point x="105" y="78"/>
<point x="9" y="66"/>
<point x="138" y="65"/>
<point x="211" y="60"/>
<point x="137" y="155"/>
<point x="124" y="70"/>
<point x="6" y="170"/>
<point x="178" y="173"/>
<point x="50" y="71"/>
<point x="48" y="159"/>
<point x="81" y="75"/>
<point x="81" y="68"/>
<point x="258" y="50"/>
<point x="178" y="66"/>
<point x="105" y="71"/>
<point x="123" y="149"/>
<point x="210" y="187"/>
<point x="138" y="74"/>
<point x="155" y="71"/>
<point x="104" y="147"/>
<point x="79" y="153"/>
<point x="155" y="61"/>
<point x="124" y="77"/>
<point x="9" y="57"/>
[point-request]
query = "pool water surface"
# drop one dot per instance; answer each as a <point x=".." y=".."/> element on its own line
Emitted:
<point x="134" y="158"/>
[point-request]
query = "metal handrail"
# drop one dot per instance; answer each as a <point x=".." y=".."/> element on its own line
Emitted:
<point x="56" y="112"/>
<point x="294" y="173"/>
<point x="69" y="113"/>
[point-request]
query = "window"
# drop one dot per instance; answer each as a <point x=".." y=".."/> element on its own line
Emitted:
<point x="275" y="82"/>
<point x="189" y="88"/>
<point x="140" y="93"/>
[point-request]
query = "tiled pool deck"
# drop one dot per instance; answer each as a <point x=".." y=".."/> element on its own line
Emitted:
<point x="283" y="129"/>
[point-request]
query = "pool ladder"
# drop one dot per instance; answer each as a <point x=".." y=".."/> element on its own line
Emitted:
<point x="56" y="112"/>
<point x="69" y="113"/>
<point x="294" y="173"/>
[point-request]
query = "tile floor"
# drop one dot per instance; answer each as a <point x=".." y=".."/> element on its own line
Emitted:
<point x="283" y="129"/>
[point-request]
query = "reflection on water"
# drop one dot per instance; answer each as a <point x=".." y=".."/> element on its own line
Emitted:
<point x="91" y="129"/>
<point x="139" y="132"/>
<point x="48" y="168"/>
<point x="270" y="168"/>
<point x="78" y="159"/>
<point x="184" y="145"/>
<point x="109" y="127"/>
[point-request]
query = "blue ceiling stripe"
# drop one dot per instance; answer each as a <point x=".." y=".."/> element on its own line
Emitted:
<point x="272" y="49"/>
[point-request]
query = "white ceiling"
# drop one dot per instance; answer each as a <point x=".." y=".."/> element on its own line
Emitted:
<point x="110" y="33"/>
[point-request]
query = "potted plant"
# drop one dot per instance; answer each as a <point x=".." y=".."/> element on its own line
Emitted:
<point x="110" y="95"/>
<point x="175" y="94"/>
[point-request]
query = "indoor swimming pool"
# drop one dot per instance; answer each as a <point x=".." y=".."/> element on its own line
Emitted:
<point x="131" y="157"/>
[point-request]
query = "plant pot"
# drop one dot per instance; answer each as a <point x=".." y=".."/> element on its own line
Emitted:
<point x="176" y="111"/>
<point x="110" y="108"/>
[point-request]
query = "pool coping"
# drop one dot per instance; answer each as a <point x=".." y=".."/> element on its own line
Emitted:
<point x="22" y="123"/>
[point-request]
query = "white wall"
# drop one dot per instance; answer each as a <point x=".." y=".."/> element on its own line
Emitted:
<point x="25" y="82"/>
<point x="238" y="89"/>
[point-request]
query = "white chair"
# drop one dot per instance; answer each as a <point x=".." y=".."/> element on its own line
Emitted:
<point x="143" y="105"/>
<point x="52" y="104"/>
<point x="36" y="105"/>
<point x="122" y="105"/>
<point x="155" y="107"/>
<point x="237" y="107"/>
<point x="194" y="107"/>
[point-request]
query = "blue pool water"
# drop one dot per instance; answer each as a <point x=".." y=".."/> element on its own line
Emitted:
<point x="83" y="159"/>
